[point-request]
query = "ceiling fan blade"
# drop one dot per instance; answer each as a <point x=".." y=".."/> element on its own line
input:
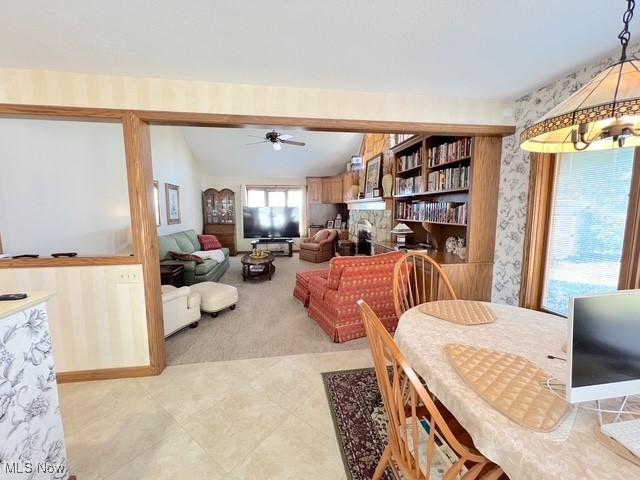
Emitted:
<point x="255" y="143"/>
<point x="255" y="136"/>
<point x="291" y="142"/>
<point x="285" y="137"/>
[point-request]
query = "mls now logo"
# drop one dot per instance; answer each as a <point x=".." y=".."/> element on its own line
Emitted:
<point x="28" y="468"/>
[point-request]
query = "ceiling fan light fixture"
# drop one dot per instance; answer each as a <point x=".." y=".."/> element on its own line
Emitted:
<point x="603" y="114"/>
<point x="276" y="146"/>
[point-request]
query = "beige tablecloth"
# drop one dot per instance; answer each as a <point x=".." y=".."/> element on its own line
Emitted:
<point x="521" y="453"/>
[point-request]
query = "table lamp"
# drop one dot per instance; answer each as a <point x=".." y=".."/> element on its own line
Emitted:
<point x="401" y="231"/>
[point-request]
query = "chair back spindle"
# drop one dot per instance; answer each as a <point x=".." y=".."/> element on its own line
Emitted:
<point x="416" y="280"/>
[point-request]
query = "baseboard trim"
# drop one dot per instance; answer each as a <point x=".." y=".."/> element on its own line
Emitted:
<point x="104" y="374"/>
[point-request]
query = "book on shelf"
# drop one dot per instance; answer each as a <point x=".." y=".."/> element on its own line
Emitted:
<point x="436" y="212"/>
<point x="407" y="186"/>
<point x="405" y="162"/>
<point x="450" y="152"/>
<point x="448" y="179"/>
<point x="398" y="138"/>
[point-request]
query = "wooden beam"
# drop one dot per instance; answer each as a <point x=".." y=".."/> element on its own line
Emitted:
<point x="262" y="121"/>
<point x="137" y="142"/>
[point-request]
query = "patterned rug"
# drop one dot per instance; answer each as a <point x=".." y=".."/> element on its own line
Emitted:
<point x="359" y="420"/>
<point x="361" y="425"/>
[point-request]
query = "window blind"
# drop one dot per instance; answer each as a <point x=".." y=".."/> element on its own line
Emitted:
<point x="589" y="211"/>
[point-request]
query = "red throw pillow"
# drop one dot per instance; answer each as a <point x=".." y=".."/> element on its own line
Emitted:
<point x="209" y="242"/>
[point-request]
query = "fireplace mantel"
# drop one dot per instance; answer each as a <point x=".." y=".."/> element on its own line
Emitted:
<point x="376" y="203"/>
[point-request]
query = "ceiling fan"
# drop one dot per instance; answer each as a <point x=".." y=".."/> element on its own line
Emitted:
<point x="277" y="139"/>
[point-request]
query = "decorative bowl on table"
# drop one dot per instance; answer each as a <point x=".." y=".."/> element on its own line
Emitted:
<point x="259" y="254"/>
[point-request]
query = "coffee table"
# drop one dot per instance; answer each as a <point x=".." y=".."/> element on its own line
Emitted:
<point x="257" y="267"/>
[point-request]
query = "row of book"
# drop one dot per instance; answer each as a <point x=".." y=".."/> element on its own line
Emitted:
<point x="449" y="178"/>
<point x="449" y="152"/>
<point x="412" y="160"/>
<point x="401" y="137"/>
<point x="407" y="186"/>
<point x="439" y="212"/>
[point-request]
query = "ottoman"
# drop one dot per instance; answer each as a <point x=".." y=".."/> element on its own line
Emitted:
<point x="215" y="296"/>
<point x="301" y="290"/>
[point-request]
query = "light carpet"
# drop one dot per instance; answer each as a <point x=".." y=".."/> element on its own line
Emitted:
<point x="267" y="322"/>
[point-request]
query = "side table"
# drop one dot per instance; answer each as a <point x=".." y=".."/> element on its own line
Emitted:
<point x="171" y="275"/>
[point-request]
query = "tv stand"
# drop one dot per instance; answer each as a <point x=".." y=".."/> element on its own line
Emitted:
<point x="279" y="241"/>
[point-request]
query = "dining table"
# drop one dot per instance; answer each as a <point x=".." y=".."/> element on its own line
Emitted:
<point x="571" y="451"/>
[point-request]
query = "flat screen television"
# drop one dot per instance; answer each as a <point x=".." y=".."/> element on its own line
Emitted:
<point x="271" y="222"/>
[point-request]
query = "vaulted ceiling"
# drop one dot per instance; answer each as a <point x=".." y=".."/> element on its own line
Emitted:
<point x="481" y="48"/>
<point x="224" y="152"/>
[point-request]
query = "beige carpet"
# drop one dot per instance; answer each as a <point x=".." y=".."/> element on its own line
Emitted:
<point x="267" y="322"/>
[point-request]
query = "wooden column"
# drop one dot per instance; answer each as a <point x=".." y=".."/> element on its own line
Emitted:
<point x="541" y="181"/>
<point x="137" y="142"/>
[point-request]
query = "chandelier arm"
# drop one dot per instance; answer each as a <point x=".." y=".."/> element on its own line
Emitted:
<point x="625" y="35"/>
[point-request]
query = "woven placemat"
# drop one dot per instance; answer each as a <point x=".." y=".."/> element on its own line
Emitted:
<point x="462" y="312"/>
<point x="513" y="385"/>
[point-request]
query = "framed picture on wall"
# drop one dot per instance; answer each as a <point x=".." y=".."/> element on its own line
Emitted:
<point x="373" y="176"/>
<point x="172" y="193"/>
<point x="156" y="201"/>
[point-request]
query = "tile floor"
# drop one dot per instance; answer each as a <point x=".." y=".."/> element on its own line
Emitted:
<point x="258" y="419"/>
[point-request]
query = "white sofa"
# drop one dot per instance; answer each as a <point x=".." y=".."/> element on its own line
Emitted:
<point x="180" y="307"/>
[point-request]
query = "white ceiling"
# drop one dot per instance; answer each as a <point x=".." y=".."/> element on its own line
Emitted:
<point x="224" y="152"/>
<point x="481" y="48"/>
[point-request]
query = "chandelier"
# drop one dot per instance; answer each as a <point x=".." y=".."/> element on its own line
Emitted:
<point x="603" y="114"/>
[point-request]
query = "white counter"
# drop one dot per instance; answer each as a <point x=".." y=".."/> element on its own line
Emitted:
<point x="33" y="298"/>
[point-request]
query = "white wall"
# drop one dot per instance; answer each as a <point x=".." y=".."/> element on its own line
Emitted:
<point x="173" y="163"/>
<point x="235" y="184"/>
<point x="63" y="188"/>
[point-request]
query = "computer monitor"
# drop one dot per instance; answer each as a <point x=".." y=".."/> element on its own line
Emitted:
<point x="603" y="348"/>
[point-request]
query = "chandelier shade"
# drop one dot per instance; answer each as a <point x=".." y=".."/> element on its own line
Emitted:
<point x="603" y="114"/>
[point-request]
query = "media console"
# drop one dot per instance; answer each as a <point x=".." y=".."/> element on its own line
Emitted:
<point x="281" y="241"/>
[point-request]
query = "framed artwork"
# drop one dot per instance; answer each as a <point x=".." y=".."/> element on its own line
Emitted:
<point x="156" y="201"/>
<point x="172" y="192"/>
<point x="376" y="192"/>
<point x="373" y="176"/>
<point x="330" y="224"/>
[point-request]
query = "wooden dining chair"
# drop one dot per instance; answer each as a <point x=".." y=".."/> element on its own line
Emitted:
<point x="416" y="280"/>
<point x="411" y="448"/>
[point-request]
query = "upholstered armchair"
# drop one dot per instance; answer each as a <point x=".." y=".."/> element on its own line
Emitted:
<point x="334" y="296"/>
<point x="319" y="248"/>
<point x="180" y="307"/>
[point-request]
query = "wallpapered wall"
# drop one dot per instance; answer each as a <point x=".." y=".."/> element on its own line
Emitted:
<point x="514" y="176"/>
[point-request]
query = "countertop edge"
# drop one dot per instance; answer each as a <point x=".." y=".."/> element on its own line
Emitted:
<point x="34" y="298"/>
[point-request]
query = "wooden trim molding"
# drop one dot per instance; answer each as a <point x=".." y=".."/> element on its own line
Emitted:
<point x="630" y="261"/>
<point x="104" y="374"/>
<point x="137" y="144"/>
<point x="237" y="121"/>
<point x="68" y="262"/>
<point x="541" y="183"/>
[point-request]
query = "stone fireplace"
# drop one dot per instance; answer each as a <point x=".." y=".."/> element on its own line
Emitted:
<point x="367" y="227"/>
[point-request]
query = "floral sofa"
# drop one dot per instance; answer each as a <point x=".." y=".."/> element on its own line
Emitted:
<point x="333" y="297"/>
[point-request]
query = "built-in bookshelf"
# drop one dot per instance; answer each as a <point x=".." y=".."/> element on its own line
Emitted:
<point x="448" y="186"/>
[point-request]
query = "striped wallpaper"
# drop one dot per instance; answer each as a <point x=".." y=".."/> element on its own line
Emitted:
<point x="108" y="91"/>
<point x="96" y="321"/>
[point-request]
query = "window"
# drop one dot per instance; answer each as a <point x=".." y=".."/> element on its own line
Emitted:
<point x="274" y="197"/>
<point x="586" y="231"/>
